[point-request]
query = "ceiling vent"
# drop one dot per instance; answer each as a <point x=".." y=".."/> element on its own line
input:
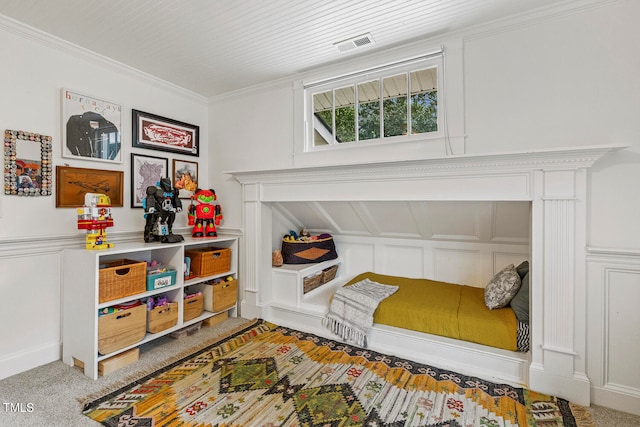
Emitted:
<point x="354" y="42"/>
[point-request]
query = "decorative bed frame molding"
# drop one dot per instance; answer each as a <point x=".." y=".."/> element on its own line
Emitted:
<point x="554" y="181"/>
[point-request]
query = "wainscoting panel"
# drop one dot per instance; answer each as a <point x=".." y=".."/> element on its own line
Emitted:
<point x="466" y="263"/>
<point x="613" y="327"/>
<point x="30" y="288"/>
<point x="401" y="260"/>
<point x="622" y="294"/>
<point x="457" y="266"/>
<point x="361" y="256"/>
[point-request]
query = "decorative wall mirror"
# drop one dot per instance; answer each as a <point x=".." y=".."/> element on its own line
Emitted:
<point x="27" y="163"/>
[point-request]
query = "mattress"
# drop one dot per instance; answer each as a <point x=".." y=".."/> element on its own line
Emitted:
<point x="446" y="309"/>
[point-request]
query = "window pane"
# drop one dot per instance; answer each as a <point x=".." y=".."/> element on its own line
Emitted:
<point x="395" y="105"/>
<point x="369" y="110"/>
<point x="345" y="120"/>
<point x="323" y="118"/>
<point x="424" y="101"/>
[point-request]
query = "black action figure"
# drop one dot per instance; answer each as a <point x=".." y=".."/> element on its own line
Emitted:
<point x="161" y="205"/>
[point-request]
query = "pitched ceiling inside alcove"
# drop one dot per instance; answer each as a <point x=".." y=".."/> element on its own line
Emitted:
<point x="480" y="222"/>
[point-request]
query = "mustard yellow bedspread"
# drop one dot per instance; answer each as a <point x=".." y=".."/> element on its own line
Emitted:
<point x="446" y="309"/>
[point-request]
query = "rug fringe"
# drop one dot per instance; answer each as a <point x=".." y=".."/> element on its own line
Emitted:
<point x="139" y="375"/>
<point x="582" y="416"/>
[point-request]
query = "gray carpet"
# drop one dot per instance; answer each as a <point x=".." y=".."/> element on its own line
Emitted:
<point x="49" y="396"/>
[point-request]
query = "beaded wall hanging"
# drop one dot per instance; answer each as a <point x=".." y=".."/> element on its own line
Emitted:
<point x="27" y="172"/>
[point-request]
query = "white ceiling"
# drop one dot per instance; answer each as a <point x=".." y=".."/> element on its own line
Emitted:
<point x="212" y="47"/>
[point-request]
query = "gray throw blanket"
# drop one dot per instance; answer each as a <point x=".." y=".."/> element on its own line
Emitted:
<point x="351" y="310"/>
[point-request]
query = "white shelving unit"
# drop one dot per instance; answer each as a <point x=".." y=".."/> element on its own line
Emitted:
<point x="288" y="284"/>
<point x="81" y="287"/>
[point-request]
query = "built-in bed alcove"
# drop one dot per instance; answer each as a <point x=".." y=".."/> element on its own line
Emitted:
<point x="552" y="183"/>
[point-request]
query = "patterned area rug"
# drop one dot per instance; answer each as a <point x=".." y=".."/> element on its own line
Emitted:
<point x="267" y="375"/>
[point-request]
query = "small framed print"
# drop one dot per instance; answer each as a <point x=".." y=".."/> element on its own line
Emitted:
<point x="185" y="177"/>
<point x="146" y="171"/>
<point x="91" y="128"/>
<point x="159" y="133"/>
<point x="73" y="183"/>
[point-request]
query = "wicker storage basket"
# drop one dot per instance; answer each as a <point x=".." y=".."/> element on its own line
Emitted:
<point x="121" y="278"/>
<point x="209" y="261"/>
<point x="328" y="274"/>
<point x="311" y="282"/>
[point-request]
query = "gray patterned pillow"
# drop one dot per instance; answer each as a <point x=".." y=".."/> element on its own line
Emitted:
<point x="502" y="287"/>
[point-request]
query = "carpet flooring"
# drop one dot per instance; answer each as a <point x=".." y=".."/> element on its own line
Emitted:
<point x="50" y="395"/>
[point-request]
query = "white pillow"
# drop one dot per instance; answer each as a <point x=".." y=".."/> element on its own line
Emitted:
<point x="502" y="287"/>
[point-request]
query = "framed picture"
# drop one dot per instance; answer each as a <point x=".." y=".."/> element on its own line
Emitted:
<point x="27" y="163"/>
<point x="146" y="171"/>
<point x="159" y="133"/>
<point x="73" y="183"/>
<point x="91" y="128"/>
<point x="185" y="177"/>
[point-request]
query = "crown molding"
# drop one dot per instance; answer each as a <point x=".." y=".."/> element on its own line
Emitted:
<point x="30" y="33"/>
<point x="526" y="161"/>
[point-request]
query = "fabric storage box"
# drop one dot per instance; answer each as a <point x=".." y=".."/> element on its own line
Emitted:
<point x="220" y="295"/>
<point x="308" y="251"/>
<point x="161" y="280"/>
<point x="161" y="318"/>
<point x="121" y="278"/>
<point x="209" y="261"/>
<point x="193" y="307"/>
<point x="121" y="329"/>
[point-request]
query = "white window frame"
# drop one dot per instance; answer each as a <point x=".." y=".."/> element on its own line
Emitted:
<point x="435" y="59"/>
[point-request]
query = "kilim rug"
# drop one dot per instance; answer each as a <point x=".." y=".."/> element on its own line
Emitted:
<point x="267" y="375"/>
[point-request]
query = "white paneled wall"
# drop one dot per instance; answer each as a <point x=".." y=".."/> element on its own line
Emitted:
<point x="614" y="328"/>
<point x="461" y="242"/>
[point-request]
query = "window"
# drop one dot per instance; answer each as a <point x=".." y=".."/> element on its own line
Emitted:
<point x="398" y="102"/>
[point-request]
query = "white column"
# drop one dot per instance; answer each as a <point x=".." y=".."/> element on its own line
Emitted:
<point x="252" y="211"/>
<point x="558" y="291"/>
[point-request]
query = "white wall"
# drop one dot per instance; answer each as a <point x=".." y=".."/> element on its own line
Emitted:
<point x="32" y="75"/>
<point x="568" y="80"/>
<point x="33" y="69"/>
<point x="552" y="81"/>
<point x="564" y="82"/>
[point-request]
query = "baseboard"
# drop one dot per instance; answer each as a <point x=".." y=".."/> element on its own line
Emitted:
<point x="16" y="363"/>
<point x="576" y="388"/>
<point x="619" y="400"/>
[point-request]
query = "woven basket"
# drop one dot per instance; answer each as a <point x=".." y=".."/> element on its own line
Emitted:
<point x="328" y="274"/>
<point x="122" y="278"/>
<point x="209" y="261"/>
<point x="311" y="282"/>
